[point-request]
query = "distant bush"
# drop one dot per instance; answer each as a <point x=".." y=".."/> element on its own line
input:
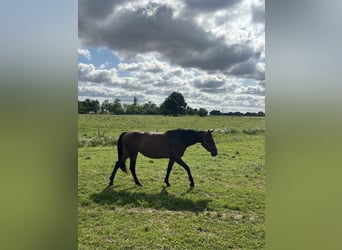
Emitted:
<point x="253" y="131"/>
<point x="225" y="131"/>
<point x="97" y="141"/>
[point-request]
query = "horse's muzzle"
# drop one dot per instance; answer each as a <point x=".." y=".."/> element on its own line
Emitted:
<point x="214" y="153"/>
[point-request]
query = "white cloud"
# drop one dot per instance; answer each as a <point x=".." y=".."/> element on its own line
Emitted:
<point x="85" y="53"/>
<point x="252" y="90"/>
<point x="104" y="65"/>
<point x="258" y="11"/>
<point x="198" y="87"/>
<point x="88" y="72"/>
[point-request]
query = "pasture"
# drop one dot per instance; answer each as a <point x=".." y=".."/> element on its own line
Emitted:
<point x="225" y="210"/>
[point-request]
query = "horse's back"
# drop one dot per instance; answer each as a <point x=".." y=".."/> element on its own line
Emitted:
<point x="153" y="145"/>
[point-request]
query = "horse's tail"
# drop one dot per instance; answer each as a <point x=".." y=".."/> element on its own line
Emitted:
<point x="120" y="153"/>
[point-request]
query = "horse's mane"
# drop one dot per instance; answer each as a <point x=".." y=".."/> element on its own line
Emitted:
<point x="182" y="131"/>
<point x="188" y="136"/>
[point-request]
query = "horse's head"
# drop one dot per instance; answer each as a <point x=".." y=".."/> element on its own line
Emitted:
<point x="208" y="143"/>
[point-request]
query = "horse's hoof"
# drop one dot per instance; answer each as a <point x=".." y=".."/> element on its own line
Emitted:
<point x="192" y="185"/>
<point x="167" y="184"/>
<point x="139" y="184"/>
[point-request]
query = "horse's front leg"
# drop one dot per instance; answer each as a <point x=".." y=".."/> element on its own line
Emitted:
<point x="186" y="167"/>
<point x="169" y="168"/>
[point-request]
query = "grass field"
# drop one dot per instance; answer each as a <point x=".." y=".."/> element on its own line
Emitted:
<point x="225" y="210"/>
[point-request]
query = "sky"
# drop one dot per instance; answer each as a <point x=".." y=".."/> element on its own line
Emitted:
<point x="212" y="52"/>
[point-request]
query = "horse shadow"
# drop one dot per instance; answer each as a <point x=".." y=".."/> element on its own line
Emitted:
<point x="159" y="201"/>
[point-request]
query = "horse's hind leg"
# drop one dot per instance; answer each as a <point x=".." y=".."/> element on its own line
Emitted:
<point x="169" y="168"/>
<point x="119" y="164"/>
<point x="116" y="167"/>
<point x="133" y="160"/>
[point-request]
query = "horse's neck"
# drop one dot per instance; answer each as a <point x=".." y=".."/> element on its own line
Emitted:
<point x="191" y="140"/>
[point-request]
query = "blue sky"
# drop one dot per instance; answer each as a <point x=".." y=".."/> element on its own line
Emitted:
<point x="211" y="52"/>
<point x="101" y="58"/>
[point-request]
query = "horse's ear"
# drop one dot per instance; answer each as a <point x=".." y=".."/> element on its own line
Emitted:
<point x="210" y="131"/>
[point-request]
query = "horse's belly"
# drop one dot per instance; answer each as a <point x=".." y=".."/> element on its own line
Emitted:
<point x="155" y="151"/>
<point x="155" y="156"/>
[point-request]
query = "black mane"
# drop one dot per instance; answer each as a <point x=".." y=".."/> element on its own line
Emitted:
<point x="188" y="136"/>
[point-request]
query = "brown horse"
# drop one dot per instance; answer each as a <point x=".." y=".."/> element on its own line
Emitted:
<point x="170" y="144"/>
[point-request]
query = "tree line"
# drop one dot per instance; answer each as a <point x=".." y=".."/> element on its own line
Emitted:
<point x="237" y="113"/>
<point x="174" y="105"/>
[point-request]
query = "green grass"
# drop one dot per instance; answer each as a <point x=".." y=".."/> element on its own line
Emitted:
<point x="225" y="210"/>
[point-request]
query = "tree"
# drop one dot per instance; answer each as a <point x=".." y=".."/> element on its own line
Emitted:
<point x="191" y="111"/>
<point x="81" y="107"/>
<point x="133" y="108"/>
<point x="174" y="104"/>
<point x="116" y="107"/>
<point x="106" y="106"/>
<point x="88" y="106"/>
<point x="215" y="112"/>
<point x="135" y="101"/>
<point x="149" y="108"/>
<point x="260" y="113"/>
<point x="202" y="112"/>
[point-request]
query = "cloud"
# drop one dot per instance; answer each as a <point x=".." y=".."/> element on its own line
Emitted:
<point x="249" y="69"/>
<point x="198" y="87"/>
<point x="258" y="11"/>
<point x="154" y="27"/>
<point x="96" y="91"/>
<point x="95" y="10"/>
<point x="252" y="90"/>
<point x="210" y="86"/>
<point x="88" y="72"/>
<point x="212" y="5"/>
<point x="205" y="50"/>
<point x="262" y="84"/>
<point x="207" y="83"/>
<point x="247" y="101"/>
<point x="148" y="66"/>
<point x="85" y="53"/>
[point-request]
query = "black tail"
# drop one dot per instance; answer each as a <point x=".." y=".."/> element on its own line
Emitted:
<point x="120" y="152"/>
